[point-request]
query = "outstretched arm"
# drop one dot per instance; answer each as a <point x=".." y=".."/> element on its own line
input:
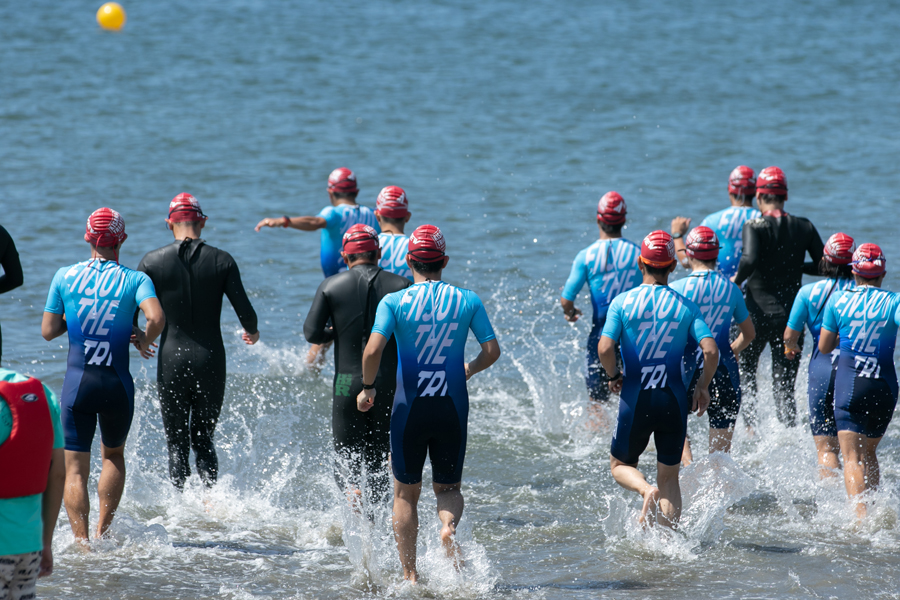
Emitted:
<point x="301" y="223"/>
<point x="490" y="352"/>
<point x="371" y="361"/>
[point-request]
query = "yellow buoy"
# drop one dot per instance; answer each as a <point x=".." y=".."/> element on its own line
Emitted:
<point x="111" y="16"/>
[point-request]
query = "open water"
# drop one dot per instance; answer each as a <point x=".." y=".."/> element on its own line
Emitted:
<point x="504" y="121"/>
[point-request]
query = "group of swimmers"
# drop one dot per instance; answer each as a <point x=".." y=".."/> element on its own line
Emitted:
<point x="399" y="334"/>
<point x="670" y="349"/>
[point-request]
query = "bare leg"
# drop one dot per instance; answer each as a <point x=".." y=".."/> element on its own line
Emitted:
<point x="406" y="525"/>
<point x="687" y="456"/>
<point x="720" y="440"/>
<point x="853" y="446"/>
<point x="111" y="485"/>
<point x="450" y="505"/>
<point x="873" y="471"/>
<point x="631" y="479"/>
<point x="827" y="449"/>
<point x="78" y="507"/>
<point x="598" y="420"/>
<point x="669" y="495"/>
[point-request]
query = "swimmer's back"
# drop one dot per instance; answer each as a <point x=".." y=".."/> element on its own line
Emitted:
<point x="191" y="277"/>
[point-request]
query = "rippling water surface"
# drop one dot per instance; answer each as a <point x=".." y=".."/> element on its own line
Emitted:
<point x="504" y="121"/>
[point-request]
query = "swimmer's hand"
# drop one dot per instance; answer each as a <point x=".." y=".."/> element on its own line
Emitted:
<point x="681" y="225"/>
<point x="269" y="223"/>
<point x="250" y="338"/>
<point x="46" y="562"/>
<point x="573" y="316"/>
<point x="365" y="400"/>
<point x="791" y="349"/>
<point x="701" y="400"/>
<point x="469" y="372"/>
<point x="615" y="386"/>
<point x="139" y="339"/>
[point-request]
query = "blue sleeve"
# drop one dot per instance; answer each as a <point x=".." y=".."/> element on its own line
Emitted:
<point x="144" y="287"/>
<point x="800" y="310"/>
<point x="331" y="216"/>
<point x="385" y="321"/>
<point x="708" y="222"/>
<point x="897" y="312"/>
<point x="53" y="402"/>
<point x="830" y="319"/>
<point x="55" y="302"/>
<point x="480" y="324"/>
<point x="740" y="307"/>
<point x="613" y="326"/>
<point x="577" y="278"/>
<point x="699" y="328"/>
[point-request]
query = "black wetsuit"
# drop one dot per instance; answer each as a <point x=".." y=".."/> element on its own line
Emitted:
<point x="359" y="437"/>
<point x="190" y="279"/>
<point x="773" y="264"/>
<point x="12" y="269"/>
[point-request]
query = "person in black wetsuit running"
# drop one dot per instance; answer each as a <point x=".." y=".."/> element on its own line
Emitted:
<point x="772" y="264"/>
<point x="349" y="300"/>
<point x="12" y="268"/>
<point x="190" y="279"/>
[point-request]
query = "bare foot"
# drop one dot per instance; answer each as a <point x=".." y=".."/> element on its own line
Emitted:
<point x="454" y="553"/>
<point x="651" y="497"/>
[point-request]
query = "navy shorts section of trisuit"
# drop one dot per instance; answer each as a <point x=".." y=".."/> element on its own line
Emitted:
<point x="724" y="397"/>
<point x="432" y="426"/>
<point x="820" y="390"/>
<point x="100" y="396"/>
<point x="656" y="412"/>
<point x="866" y="407"/>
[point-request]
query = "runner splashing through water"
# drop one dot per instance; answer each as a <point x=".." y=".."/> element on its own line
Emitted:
<point x="430" y="417"/>
<point x="772" y="264"/>
<point x="654" y="326"/>
<point x="721" y="303"/>
<point x="333" y="221"/>
<point x="191" y="279"/>
<point x="95" y="302"/>
<point x="808" y="310"/>
<point x="348" y="301"/>
<point x="865" y="319"/>
<point x="392" y="212"/>
<point x="609" y="267"/>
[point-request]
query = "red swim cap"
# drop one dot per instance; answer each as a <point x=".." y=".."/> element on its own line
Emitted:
<point x="702" y="243"/>
<point x="185" y="207"/>
<point x="105" y="228"/>
<point x="343" y="181"/>
<point x="360" y="238"/>
<point x="611" y="209"/>
<point x="392" y="203"/>
<point x="742" y="181"/>
<point x="426" y="244"/>
<point x="658" y="249"/>
<point x="839" y="249"/>
<point x="869" y="261"/>
<point x="771" y="180"/>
